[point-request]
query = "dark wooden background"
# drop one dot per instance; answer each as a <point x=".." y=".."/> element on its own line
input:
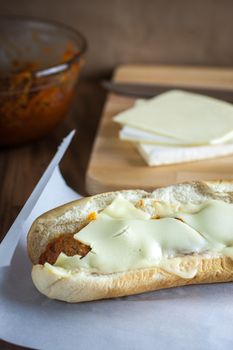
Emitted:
<point x="121" y="31"/>
<point x="142" y="31"/>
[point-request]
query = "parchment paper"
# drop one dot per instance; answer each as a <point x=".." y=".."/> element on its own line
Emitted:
<point x="193" y="317"/>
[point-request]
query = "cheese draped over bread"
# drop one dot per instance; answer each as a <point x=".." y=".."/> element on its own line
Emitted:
<point x="124" y="238"/>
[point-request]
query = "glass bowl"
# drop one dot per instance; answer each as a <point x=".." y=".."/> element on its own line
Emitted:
<point x="40" y="63"/>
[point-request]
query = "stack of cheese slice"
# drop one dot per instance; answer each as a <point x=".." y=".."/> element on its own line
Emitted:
<point x="178" y="126"/>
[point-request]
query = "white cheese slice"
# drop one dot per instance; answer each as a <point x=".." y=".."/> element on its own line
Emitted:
<point x="163" y="155"/>
<point x="121" y="208"/>
<point x="119" y="242"/>
<point x="176" y="266"/>
<point x="188" y="117"/>
<point x="128" y="133"/>
<point x="122" y="245"/>
<point x="124" y="238"/>
<point x="214" y="222"/>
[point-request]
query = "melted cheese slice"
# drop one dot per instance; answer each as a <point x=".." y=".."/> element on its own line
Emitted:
<point x="214" y="221"/>
<point x="122" y="245"/>
<point x="188" y="117"/>
<point x="124" y="238"/>
<point x="120" y="208"/>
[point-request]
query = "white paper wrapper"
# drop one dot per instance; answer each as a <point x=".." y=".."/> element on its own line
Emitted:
<point x="194" y="317"/>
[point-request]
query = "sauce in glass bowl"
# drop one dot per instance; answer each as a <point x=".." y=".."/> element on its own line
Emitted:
<point x="36" y="85"/>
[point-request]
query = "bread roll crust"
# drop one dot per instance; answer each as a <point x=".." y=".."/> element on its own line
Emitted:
<point x="81" y="286"/>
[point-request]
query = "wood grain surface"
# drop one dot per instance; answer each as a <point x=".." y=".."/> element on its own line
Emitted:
<point x="190" y="76"/>
<point x="21" y="167"/>
<point x="116" y="164"/>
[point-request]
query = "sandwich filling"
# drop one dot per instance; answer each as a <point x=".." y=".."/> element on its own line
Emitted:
<point x="123" y="238"/>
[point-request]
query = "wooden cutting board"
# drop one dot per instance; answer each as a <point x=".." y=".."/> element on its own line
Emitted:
<point x="116" y="164"/>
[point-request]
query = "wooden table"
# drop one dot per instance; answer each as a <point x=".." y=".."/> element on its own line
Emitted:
<point x="21" y="167"/>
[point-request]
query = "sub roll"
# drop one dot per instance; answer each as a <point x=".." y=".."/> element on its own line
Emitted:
<point x="127" y="242"/>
